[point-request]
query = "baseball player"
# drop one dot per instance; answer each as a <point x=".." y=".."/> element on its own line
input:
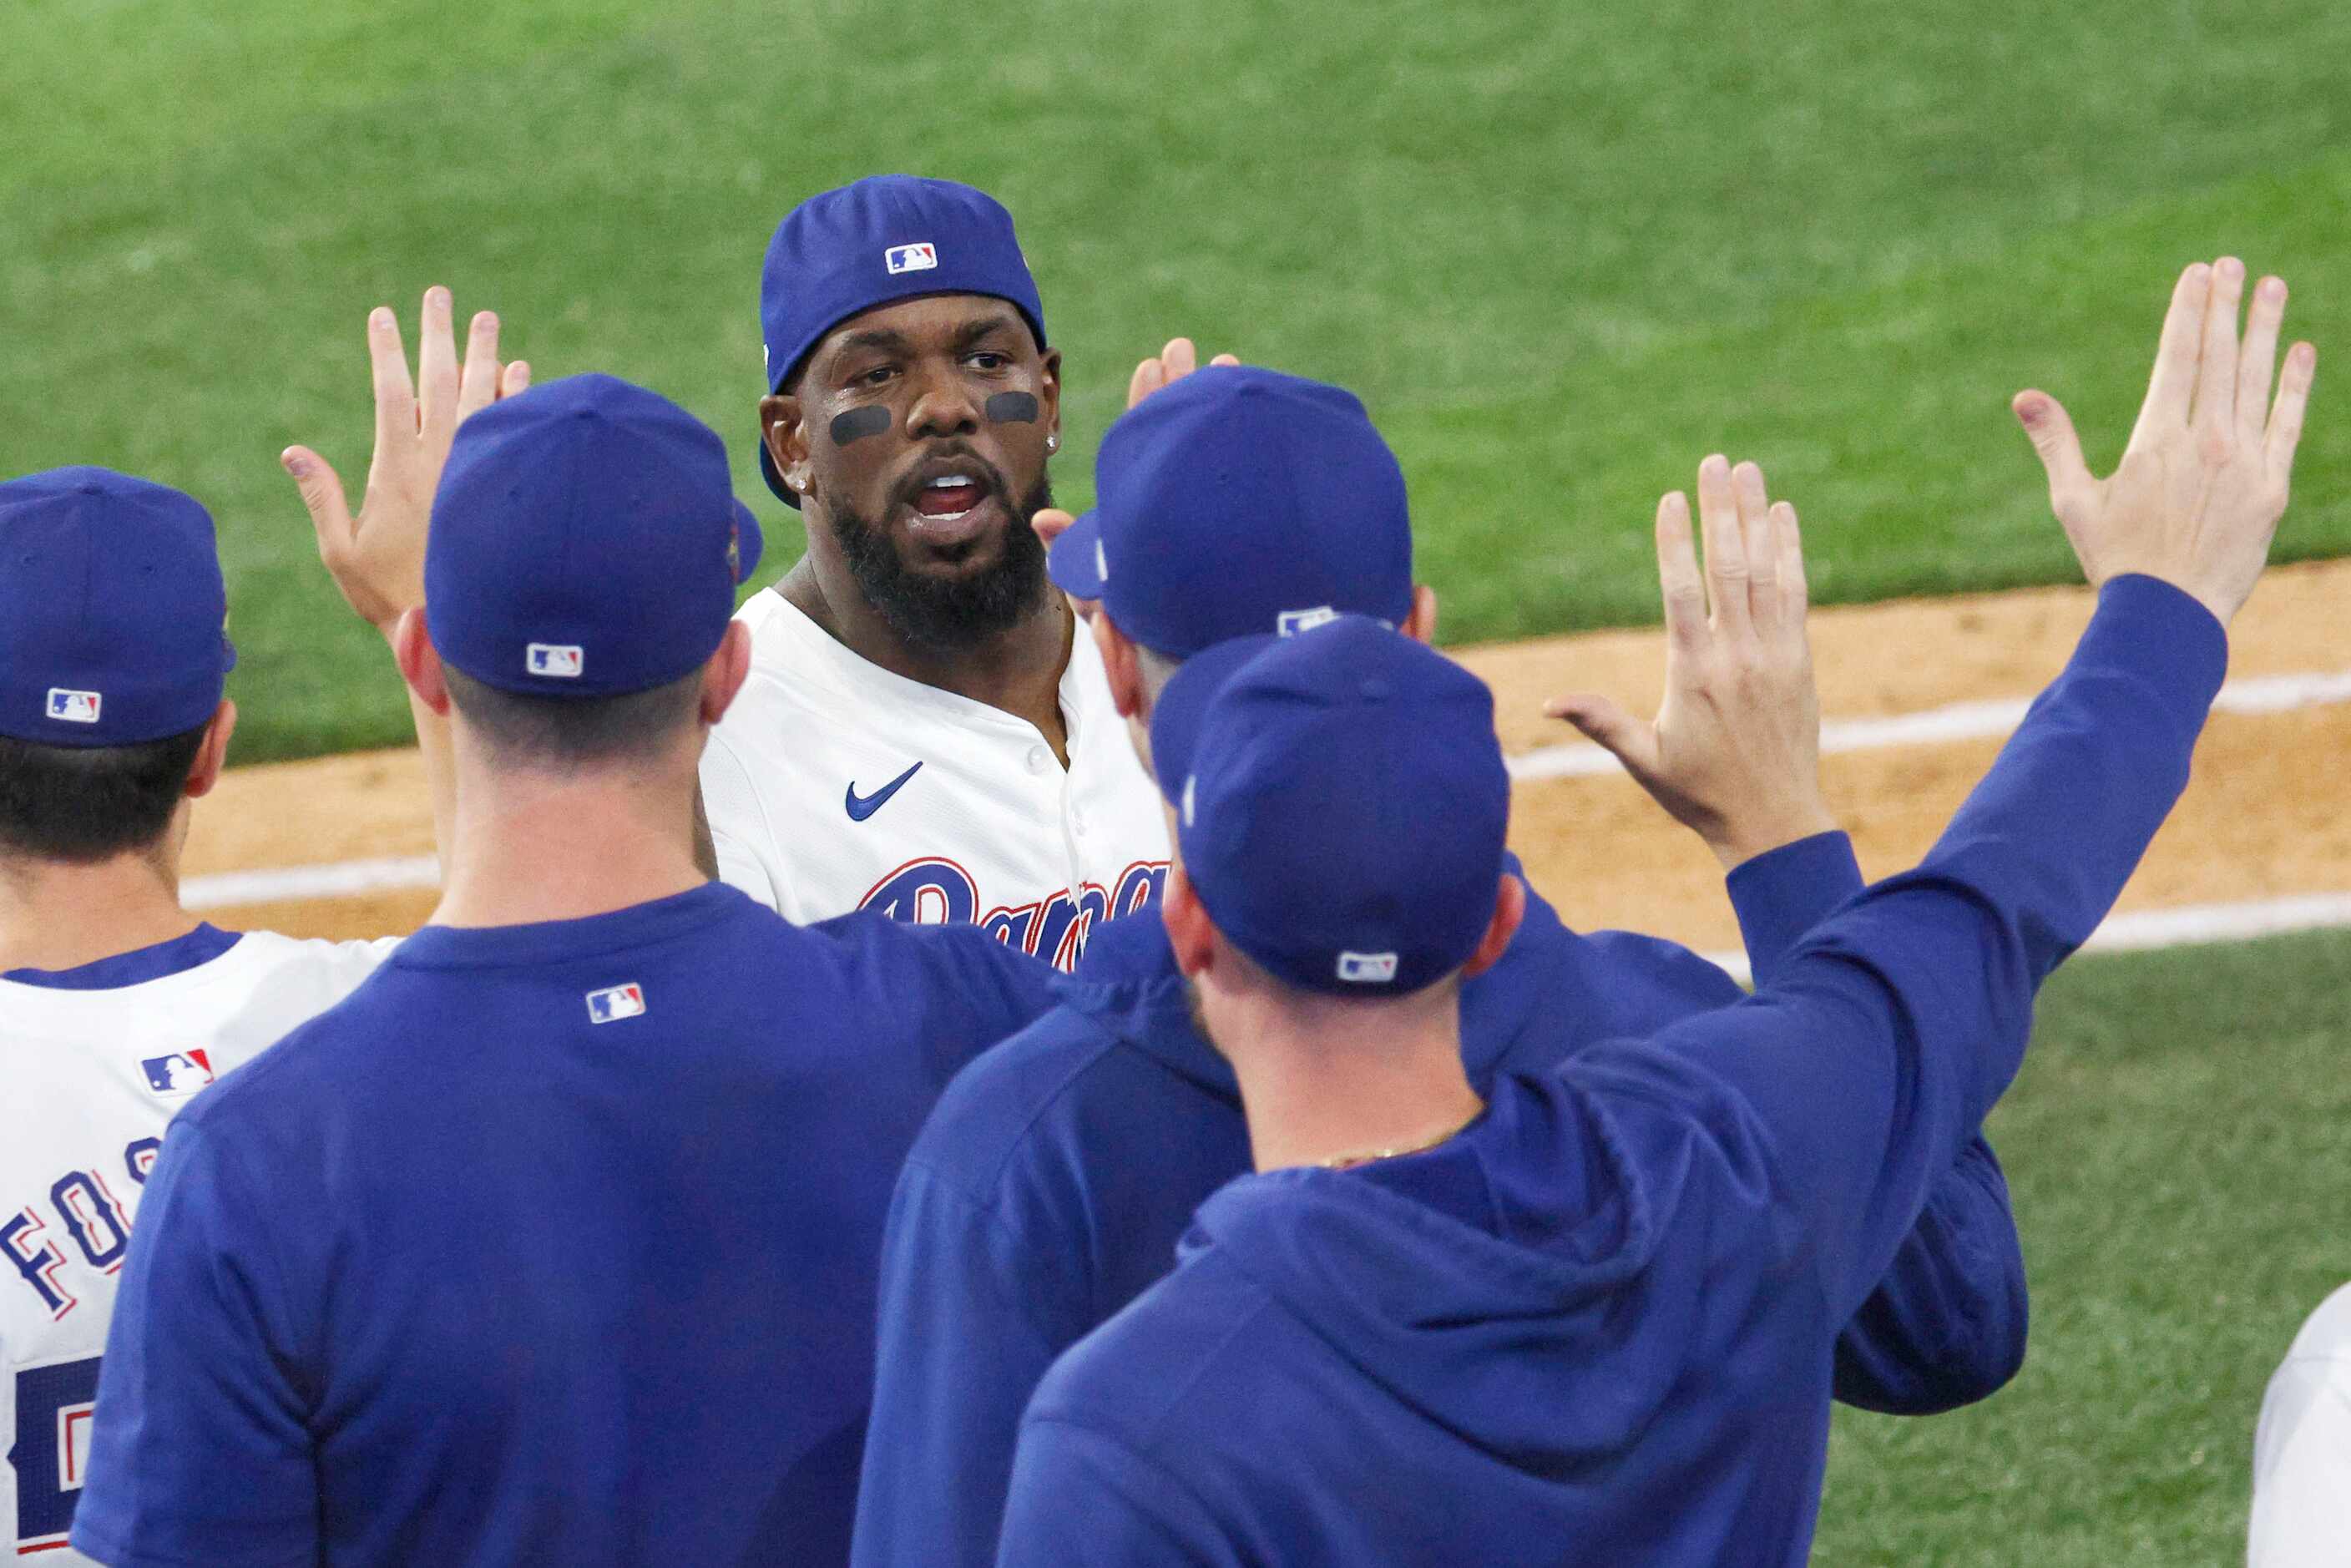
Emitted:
<point x="1586" y="1314"/>
<point x="922" y="733"/>
<point x="1052" y="1185"/>
<point x="117" y="1005"/>
<point x="555" y="1241"/>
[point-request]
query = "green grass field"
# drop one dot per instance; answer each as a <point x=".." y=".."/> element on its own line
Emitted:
<point x="1563" y="251"/>
<point x="2175" y="1149"/>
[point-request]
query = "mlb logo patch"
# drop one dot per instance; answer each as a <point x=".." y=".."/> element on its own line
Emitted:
<point x="560" y="659"/>
<point x="1367" y="968"/>
<point x="74" y="707"/>
<point x="920" y="258"/>
<point x="178" y="1075"/>
<point x="1290" y="622"/>
<point x="616" y="1002"/>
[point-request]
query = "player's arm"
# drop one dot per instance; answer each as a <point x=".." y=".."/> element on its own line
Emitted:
<point x="1946" y="1325"/>
<point x="200" y="1447"/>
<point x="971" y="1318"/>
<point x="377" y="558"/>
<point x="1873" y="1059"/>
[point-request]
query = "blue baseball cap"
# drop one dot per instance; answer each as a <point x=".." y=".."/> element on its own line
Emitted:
<point x="1240" y="500"/>
<point x="112" y="609"/>
<point x="586" y="542"/>
<point x="886" y="239"/>
<point x="1341" y="803"/>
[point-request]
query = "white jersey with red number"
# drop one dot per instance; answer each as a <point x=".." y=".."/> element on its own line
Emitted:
<point x="834" y="785"/>
<point x="88" y="1080"/>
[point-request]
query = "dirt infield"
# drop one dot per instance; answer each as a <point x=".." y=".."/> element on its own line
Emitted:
<point x="2265" y="817"/>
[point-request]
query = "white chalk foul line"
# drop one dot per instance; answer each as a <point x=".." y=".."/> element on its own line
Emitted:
<point x="2190" y="925"/>
<point x="1958" y="721"/>
<point x="343" y="879"/>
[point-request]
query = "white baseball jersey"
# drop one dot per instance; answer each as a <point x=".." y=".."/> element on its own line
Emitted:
<point x="2301" y="1450"/>
<point x="91" y="1078"/>
<point x="833" y="785"/>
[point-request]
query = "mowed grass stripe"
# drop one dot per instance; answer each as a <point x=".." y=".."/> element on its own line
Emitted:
<point x="1562" y="251"/>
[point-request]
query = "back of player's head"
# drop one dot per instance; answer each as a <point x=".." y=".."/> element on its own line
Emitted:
<point x="884" y="238"/>
<point x="1341" y="804"/>
<point x="112" y="659"/>
<point x="581" y="566"/>
<point x="1238" y="501"/>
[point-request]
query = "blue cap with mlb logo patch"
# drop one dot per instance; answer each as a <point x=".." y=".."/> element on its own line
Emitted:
<point x="112" y="610"/>
<point x="1240" y="500"/>
<point x="586" y="541"/>
<point x="886" y="239"/>
<point x="1341" y="803"/>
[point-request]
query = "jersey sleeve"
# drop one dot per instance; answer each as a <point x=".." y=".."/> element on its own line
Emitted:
<point x="1870" y="1062"/>
<point x="2302" y="1466"/>
<point x="200" y="1452"/>
<point x="970" y="1321"/>
<point x="1946" y="1326"/>
<point x="1081" y="1500"/>
<point x="1781" y="894"/>
<point x="738" y="823"/>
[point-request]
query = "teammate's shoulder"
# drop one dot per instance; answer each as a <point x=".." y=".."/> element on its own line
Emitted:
<point x="270" y="951"/>
<point x="1168" y="1353"/>
<point x="1015" y="1095"/>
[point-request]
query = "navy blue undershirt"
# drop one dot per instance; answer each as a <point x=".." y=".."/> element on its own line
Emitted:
<point x="202" y="946"/>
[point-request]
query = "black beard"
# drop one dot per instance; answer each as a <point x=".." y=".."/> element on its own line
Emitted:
<point x="948" y="615"/>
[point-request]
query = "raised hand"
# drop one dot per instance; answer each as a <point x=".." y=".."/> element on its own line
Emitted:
<point x="2196" y="498"/>
<point x="1734" y="752"/>
<point x="1173" y="363"/>
<point x="377" y="558"/>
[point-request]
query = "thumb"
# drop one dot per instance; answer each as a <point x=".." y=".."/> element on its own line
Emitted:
<point x="1631" y="741"/>
<point x="2050" y="431"/>
<point x="322" y="495"/>
<point x="1052" y="524"/>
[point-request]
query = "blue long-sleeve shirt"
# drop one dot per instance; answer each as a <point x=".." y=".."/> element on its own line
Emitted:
<point x="1597" y="1326"/>
<point x="1054" y="1181"/>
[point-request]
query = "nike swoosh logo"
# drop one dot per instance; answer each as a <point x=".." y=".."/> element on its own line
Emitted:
<point x="860" y="807"/>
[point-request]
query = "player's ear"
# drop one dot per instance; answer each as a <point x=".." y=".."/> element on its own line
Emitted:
<point x="420" y="663"/>
<point x="781" y="428"/>
<point x="1189" y="932"/>
<point x="1120" y="666"/>
<point x="1420" y="621"/>
<point x="212" y="756"/>
<point x="1509" y="909"/>
<point x="1049" y="392"/>
<point x="724" y="677"/>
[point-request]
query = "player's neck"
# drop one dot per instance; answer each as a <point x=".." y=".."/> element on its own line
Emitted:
<point x="59" y="916"/>
<point x="529" y="846"/>
<point x="1018" y="671"/>
<point x="1331" y="1082"/>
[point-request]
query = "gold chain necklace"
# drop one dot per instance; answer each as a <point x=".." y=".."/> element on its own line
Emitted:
<point x="1349" y="1162"/>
